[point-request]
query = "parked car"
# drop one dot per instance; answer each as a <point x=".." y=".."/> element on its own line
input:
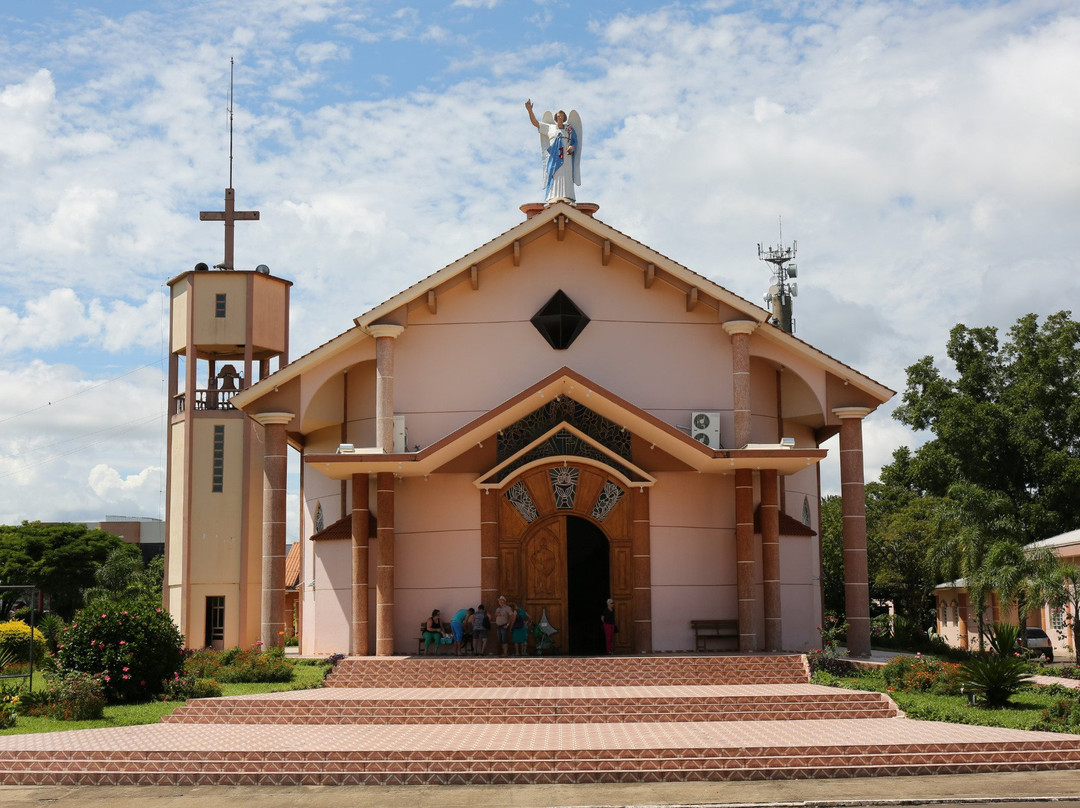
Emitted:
<point x="1039" y="642"/>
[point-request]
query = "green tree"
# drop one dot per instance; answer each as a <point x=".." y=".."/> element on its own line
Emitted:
<point x="124" y="578"/>
<point x="971" y="521"/>
<point x="898" y="553"/>
<point x="1009" y="422"/>
<point x="59" y="559"/>
<point x="832" y="553"/>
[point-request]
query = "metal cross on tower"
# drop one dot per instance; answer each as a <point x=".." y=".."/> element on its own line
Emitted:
<point x="230" y="215"/>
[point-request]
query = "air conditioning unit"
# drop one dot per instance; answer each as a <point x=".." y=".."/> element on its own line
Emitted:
<point x="705" y="428"/>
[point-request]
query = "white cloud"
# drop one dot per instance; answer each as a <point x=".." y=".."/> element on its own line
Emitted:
<point x="62" y="318"/>
<point x="106" y="482"/>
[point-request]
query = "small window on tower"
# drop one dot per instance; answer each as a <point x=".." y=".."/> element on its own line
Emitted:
<point x="219" y="310"/>
<point x="218" y="480"/>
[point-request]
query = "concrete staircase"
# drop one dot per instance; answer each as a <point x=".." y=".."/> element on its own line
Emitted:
<point x="403" y="721"/>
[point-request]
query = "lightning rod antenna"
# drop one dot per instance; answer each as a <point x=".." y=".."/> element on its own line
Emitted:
<point x="231" y="63"/>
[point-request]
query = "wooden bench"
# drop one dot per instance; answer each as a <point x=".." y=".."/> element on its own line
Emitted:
<point x="705" y="630"/>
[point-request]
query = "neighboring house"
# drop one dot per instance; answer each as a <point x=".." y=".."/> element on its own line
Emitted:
<point x="956" y="618"/>
<point x="560" y="416"/>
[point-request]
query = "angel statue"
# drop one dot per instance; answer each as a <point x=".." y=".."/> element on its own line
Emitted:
<point x="560" y="139"/>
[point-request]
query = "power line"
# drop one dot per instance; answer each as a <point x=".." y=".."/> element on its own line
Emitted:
<point x="80" y="392"/>
<point x="130" y="424"/>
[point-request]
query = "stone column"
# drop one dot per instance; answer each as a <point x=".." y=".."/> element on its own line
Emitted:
<point x="853" y="495"/>
<point x="489" y="550"/>
<point x="275" y="474"/>
<point x="740" y="331"/>
<point x="360" y="521"/>
<point x="770" y="557"/>
<point x="641" y="571"/>
<point x="744" y="557"/>
<point x="384" y="574"/>
<point x="384" y="334"/>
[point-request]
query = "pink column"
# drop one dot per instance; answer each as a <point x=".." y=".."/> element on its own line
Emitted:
<point x="275" y="474"/>
<point x="853" y="494"/>
<point x="744" y="557"/>
<point x="384" y="334"/>
<point x="384" y="575"/>
<point x="770" y="557"/>
<point x="489" y="550"/>
<point x="360" y="520"/>
<point x="739" y="331"/>
<point x="641" y="571"/>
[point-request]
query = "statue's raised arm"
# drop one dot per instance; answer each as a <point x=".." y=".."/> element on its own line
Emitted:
<point x="560" y="139"/>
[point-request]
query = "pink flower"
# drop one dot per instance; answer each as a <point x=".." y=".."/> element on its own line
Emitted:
<point x="158" y="611"/>
<point x="123" y="642"/>
<point x="104" y="616"/>
<point x="126" y="669"/>
<point x="108" y="678"/>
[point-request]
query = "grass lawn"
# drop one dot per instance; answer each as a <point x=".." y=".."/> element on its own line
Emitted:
<point x="124" y="715"/>
<point x="1024" y="710"/>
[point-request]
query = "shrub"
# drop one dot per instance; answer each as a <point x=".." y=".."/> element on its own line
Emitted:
<point x="240" y="665"/>
<point x="922" y="674"/>
<point x="73" y="696"/>
<point x="134" y="649"/>
<point x="52" y="627"/>
<point x="182" y="688"/>
<point x="994" y="676"/>
<point x="15" y="637"/>
<point x="9" y="709"/>
<point x="1063" y="715"/>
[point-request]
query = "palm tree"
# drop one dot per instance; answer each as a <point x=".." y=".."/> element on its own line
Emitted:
<point x="1022" y="575"/>
<point x="971" y="520"/>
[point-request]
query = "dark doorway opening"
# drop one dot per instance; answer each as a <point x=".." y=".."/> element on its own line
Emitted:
<point x="588" y="584"/>
<point x="215" y="622"/>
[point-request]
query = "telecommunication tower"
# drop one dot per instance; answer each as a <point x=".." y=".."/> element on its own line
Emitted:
<point x="782" y="290"/>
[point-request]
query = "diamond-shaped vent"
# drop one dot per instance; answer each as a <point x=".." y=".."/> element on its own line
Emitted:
<point x="560" y="321"/>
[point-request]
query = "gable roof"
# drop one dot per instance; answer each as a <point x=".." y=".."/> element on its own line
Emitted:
<point x="611" y="244"/>
<point x="565" y="382"/>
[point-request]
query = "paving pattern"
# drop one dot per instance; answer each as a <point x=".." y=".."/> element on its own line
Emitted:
<point x="554" y="733"/>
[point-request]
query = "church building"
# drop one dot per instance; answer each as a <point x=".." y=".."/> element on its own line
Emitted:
<point x="561" y="416"/>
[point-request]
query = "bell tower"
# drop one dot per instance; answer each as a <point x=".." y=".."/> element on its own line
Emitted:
<point x="226" y="330"/>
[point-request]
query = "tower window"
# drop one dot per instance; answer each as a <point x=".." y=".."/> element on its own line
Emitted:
<point x="218" y="481"/>
<point x="219" y="305"/>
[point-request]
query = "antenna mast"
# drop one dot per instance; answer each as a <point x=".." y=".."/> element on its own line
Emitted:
<point x="780" y="294"/>
<point x="231" y="65"/>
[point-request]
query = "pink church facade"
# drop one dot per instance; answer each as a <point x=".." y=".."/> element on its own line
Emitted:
<point x="560" y="416"/>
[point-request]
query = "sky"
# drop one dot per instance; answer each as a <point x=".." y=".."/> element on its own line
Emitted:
<point x="924" y="155"/>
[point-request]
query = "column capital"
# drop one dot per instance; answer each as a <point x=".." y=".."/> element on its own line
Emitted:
<point x="384" y="330"/>
<point x="733" y="327"/>
<point x="270" y="418"/>
<point x="844" y="413"/>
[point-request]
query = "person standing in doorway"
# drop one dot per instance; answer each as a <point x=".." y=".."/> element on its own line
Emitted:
<point x="520" y="626"/>
<point x="607" y="618"/>
<point x="503" y="617"/>
<point x="481" y="626"/>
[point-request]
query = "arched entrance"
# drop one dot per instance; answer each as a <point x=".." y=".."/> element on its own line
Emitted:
<point x="564" y="548"/>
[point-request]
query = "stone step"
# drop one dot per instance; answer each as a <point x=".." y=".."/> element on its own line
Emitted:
<point x="531" y="709"/>
<point x="375" y="767"/>
<point x="568" y="671"/>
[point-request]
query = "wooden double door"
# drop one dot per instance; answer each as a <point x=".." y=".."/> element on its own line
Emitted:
<point x="567" y="561"/>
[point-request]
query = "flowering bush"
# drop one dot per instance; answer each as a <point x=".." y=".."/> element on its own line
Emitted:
<point x="830" y="657"/>
<point x="15" y="637"/>
<point x="134" y="649"/>
<point x="182" y="688"/>
<point x="240" y="665"/>
<point x="1063" y="715"/>
<point x="923" y="674"/>
<point x="9" y="709"/>
<point x="73" y="696"/>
